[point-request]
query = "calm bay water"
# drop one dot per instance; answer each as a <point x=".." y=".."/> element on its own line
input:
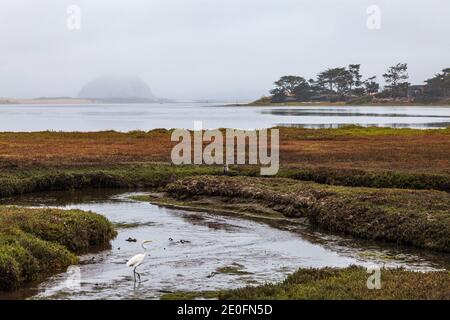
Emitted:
<point x="127" y="117"/>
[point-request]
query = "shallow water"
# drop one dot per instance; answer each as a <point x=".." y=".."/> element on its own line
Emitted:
<point x="266" y="254"/>
<point x="127" y="117"/>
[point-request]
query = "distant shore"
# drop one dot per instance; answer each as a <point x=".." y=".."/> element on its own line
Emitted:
<point x="46" y="101"/>
<point x="257" y="103"/>
<point x="340" y="104"/>
<point x="68" y="100"/>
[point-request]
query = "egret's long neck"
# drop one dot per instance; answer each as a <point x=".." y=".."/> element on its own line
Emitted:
<point x="143" y="247"/>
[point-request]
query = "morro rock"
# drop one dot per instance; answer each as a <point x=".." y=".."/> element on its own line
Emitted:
<point x="117" y="89"/>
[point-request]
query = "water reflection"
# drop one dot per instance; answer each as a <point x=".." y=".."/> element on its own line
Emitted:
<point x="127" y="117"/>
<point x="343" y="113"/>
<point x="429" y="125"/>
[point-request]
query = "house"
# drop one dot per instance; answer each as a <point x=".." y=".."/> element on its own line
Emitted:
<point x="415" y="91"/>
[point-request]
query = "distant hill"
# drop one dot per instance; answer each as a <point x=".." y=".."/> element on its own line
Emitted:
<point x="117" y="89"/>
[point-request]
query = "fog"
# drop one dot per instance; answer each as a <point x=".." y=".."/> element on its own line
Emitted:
<point x="212" y="49"/>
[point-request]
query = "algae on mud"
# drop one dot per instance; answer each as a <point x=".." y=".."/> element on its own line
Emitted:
<point x="35" y="243"/>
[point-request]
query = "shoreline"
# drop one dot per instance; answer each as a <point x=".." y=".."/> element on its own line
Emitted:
<point x="75" y="101"/>
<point x="338" y="104"/>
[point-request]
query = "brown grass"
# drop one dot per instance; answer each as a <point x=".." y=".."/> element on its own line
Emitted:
<point x="426" y="151"/>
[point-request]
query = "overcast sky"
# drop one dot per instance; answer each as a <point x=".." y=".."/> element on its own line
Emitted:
<point x="222" y="49"/>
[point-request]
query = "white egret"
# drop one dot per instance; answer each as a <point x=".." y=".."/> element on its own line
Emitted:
<point x="137" y="260"/>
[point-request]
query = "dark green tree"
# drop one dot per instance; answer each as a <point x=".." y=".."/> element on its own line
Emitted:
<point x="303" y="91"/>
<point x="395" y="78"/>
<point x="344" y="84"/>
<point x="371" y="86"/>
<point x="333" y="82"/>
<point x="328" y="78"/>
<point x="285" y="87"/>
<point x="439" y="85"/>
<point x="355" y="83"/>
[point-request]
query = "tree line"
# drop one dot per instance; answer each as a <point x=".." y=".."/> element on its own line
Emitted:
<point x="347" y="84"/>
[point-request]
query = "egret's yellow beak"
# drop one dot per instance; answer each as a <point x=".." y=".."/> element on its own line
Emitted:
<point x="146" y="241"/>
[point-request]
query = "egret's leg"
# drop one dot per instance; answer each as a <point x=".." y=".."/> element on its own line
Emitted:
<point x="139" y="275"/>
<point x="134" y="274"/>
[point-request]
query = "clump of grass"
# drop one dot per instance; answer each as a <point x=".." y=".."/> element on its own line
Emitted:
<point x="25" y="258"/>
<point x="131" y="225"/>
<point x="26" y="180"/>
<point x="75" y="229"/>
<point x="349" y="284"/>
<point x="372" y="179"/>
<point x="337" y="284"/>
<point x="141" y="197"/>
<point x="419" y="218"/>
<point x="38" y="242"/>
<point x="235" y="268"/>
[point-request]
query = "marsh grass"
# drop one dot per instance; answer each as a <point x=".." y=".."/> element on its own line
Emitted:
<point x="235" y="268"/>
<point x="38" y="242"/>
<point x="337" y="284"/>
<point x="419" y="218"/>
<point x="351" y="156"/>
<point x="349" y="284"/>
<point x="26" y="180"/>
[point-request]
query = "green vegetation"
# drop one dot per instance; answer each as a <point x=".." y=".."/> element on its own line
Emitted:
<point x="371" y="179"/>
<point x="413" y="217"/>
<point x="26" y="180"/>
<point x="37" y="242"/>
<point x="235" y="268"/>
<point x="407" y="217"/>
<point x="352" y="156"/>
<point x="141" y="197"/>
<point x="345" y="84"/>
<point x="337" y="284"/>
<point x="351" y="172"/>
<point x="349" y="284"/>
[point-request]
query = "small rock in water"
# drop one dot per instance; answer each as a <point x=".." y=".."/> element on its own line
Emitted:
<point x="212" y="274"/>
<point x="131" y="240"/>
<point x="184" y="241"/>
<point x="170" y="239"/>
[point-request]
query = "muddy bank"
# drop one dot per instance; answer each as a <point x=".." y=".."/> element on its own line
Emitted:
<point x="405" y="217"/>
